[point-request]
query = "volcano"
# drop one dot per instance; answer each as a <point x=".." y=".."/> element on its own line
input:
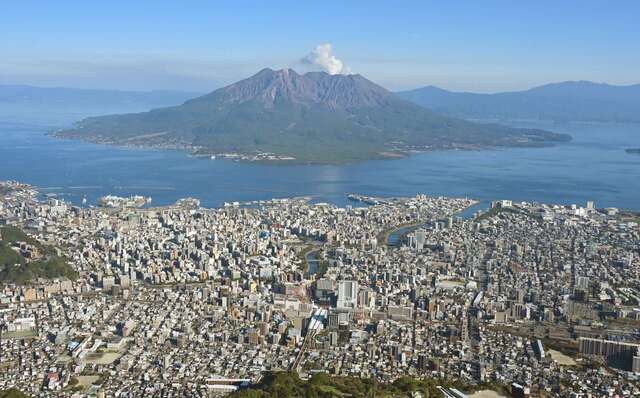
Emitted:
<point x="313" y="117"/>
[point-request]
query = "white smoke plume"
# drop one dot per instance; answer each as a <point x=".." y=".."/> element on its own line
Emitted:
<point x="323" y="57"/>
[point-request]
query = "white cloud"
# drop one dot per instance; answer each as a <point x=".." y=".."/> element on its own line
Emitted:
<point x="323" y="57"/>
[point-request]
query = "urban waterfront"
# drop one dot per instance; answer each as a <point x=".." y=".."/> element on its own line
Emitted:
<point x="594" y="166"/>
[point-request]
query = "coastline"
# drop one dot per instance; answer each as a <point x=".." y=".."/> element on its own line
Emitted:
<point x="271" y="158"/>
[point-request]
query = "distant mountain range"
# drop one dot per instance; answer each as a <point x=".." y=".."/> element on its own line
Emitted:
<point x="63" y="106"/>
<point x="314" y="117"/>
<point x="566" y="101"/>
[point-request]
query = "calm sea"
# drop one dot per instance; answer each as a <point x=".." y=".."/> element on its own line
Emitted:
<point x="594" y="166"/>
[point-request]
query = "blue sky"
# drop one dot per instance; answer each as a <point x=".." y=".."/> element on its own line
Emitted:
<point x="470" y="45"/>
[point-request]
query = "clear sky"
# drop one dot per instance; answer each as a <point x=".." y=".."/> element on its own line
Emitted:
<point x="474" y="45"/>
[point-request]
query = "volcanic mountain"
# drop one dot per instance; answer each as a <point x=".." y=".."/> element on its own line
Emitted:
<point x="315" y="117"/>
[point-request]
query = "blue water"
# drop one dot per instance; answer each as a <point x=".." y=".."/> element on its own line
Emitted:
<point x="593" y="166"/>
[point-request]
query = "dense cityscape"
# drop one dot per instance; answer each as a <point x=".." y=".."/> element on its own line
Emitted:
<point x="533" y="299"/>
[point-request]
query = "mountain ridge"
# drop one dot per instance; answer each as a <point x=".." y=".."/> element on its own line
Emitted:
<point x="334" y="91"/>
<point x="576" y="100"/>
<point x="313" y="117"/>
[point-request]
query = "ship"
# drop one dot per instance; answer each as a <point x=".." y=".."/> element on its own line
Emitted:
<point x="113" y="201"/>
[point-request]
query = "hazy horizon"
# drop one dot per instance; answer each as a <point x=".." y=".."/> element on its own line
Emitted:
<point x="195" y="92"/>
<point x="476" y="47"/>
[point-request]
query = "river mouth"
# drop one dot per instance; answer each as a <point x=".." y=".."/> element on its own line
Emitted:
<point x="399" y="235"/>
<point x="396" y="237"/>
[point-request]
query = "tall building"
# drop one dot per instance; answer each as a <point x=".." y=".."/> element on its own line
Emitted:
<point x="417" y="239"/>
<point x="423" y="361"/>
<point x="421" y="237"/>
<point x="333" y="320"/>
<point x="539" y="349"/>
<point x="347" y="294"/>
<point x="582" y="283"/>
<point x="618" y="353"/>
<point x="599" y="347"/>
<point x="635" y="363"/>
<point x="366" y="298"/>
<point x="333" y="339"/>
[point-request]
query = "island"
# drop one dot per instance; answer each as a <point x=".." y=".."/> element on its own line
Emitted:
<point x="635" y="151"/>
<point x="282" y="116"/>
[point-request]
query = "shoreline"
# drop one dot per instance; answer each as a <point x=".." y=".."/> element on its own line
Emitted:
<point x="291" y="160"/>
<point x="64" y="193"/>
<point x="349" y="180"/>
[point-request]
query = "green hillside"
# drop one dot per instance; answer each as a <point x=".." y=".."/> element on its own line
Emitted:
<point x="321" y="385"/>
<point x="13" y="393"/>
<point x="14" y="268"/>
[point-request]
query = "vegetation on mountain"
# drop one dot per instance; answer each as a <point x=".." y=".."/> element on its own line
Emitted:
<point x="15" y="268"/>
<point x="565" y="101"/>
<point x="315" y="117"/>
<point x="497" y="211"/>
<point x="321" y="385"/>
<point x="13" y="393"/>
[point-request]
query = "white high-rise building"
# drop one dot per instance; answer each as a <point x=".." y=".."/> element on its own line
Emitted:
<point x="347" y="294"/>
<point x="421" y="238"/>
